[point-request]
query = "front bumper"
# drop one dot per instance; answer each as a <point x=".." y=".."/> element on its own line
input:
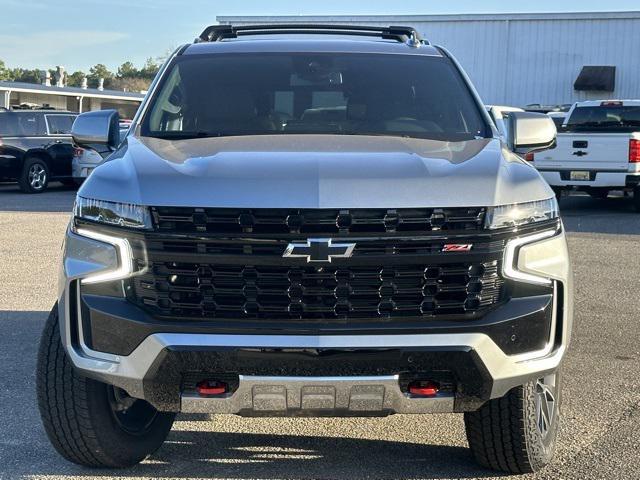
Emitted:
<point x="328" y="373"/>
<point x="318" y="374"/>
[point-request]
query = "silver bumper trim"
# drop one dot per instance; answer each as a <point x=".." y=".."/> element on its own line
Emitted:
<point x="129" y="371"/>
<point x="300" y="396"/>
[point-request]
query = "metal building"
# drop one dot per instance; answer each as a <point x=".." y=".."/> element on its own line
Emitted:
<point x="521" y="59"/>
<point x="13" y="94"/>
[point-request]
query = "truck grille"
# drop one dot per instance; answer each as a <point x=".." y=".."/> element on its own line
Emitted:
<point x="205" y="290"/>
<point x="317" y="221"/>
<point x="227" y="264"/>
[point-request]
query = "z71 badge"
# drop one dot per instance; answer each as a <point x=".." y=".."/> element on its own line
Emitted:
<point x="457" y="247"/>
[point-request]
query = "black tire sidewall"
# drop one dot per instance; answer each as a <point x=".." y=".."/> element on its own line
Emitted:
<point x="82" y="419"/>
<point x="123" y="447"/>
<point x="23" y="181"/>
<point x="541" y="451"/>
<point x="503" y="434"/>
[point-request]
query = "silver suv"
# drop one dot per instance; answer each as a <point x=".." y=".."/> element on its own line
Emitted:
<point x="310" y="220"/>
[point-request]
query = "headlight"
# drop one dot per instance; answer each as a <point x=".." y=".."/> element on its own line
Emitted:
<point x="118" y="269"/>
<point x="112" y="213"/>
<point x="538" y="258"/>
<point x="522" y="213"/>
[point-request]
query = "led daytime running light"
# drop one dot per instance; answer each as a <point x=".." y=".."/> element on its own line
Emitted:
<point x="508" y="268"/>
<point x="125" y="257"/>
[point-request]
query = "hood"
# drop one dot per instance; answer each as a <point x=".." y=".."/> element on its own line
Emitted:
<point x="315" y="171"/>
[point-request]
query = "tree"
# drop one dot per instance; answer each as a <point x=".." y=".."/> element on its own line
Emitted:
<point x="128" y="76"/>
<point x="128" y="70"/>
<point x="97" y="72"/>
<point x="25" y="75"/>
<point x="19" y="74"/>
<point x="75" y="79"/>
<point x="136" y="84"/>
<point x="150" y="69"/>
<point x="4" y="72"/>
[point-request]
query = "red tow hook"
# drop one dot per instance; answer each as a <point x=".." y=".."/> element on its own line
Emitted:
<point x="211" y="388"/>
<point x="423" y="388"/>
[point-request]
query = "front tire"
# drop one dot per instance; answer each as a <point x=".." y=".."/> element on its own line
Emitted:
<point x="34" y="177"/>
<point x="88" y="422"/>
<point x="517" y="433"/>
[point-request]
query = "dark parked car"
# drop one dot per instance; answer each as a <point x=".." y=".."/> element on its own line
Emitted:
<point x="36" y="147"/>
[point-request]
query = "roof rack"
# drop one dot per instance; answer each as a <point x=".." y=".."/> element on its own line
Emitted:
<point x="408" y="35"/>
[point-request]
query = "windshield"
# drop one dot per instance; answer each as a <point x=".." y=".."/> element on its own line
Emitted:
<point x="605" y="118"/>
<point x="347" y="94"/>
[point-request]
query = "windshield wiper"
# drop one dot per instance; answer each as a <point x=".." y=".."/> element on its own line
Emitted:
<point x="372" y="134"/>
<point x="202" y="134"/>
<point x="182" y="135"/>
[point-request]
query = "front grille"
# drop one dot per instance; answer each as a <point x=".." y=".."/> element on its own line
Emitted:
<point x="205" y="290"/>
<point x="317" y="221"/>
<point x="227" y="264"/>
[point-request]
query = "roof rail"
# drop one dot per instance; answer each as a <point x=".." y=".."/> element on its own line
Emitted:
<point x="408" y="35"/>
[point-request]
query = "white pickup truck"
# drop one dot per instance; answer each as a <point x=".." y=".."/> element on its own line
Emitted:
<point x="597" y="151"/>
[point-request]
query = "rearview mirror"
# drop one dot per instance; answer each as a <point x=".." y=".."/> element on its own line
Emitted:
<point x="530" y="132"/>
<point x="100" y="127"/>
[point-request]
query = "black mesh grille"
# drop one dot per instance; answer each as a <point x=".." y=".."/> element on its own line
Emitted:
<point x="227" y="264"/>
<point x="317" y="221"/>
<point x="204" y="290"/>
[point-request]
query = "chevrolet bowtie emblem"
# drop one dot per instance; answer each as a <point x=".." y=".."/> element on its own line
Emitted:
<point x="319" y="250"/>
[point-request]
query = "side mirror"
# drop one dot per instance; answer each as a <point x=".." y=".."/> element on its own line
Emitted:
<point x="100" y="127"/>
<point x="530" y="132"/>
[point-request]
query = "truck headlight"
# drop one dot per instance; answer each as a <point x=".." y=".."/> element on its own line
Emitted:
<point x="103" y="256"/>
<point x="539" y="258"/>
<point x="519" y="214"/>
<point x="112" y="213"/>
<point x="114" y="267"/>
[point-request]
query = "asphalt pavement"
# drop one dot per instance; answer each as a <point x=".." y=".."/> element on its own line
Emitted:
<point x="601" y="412"/>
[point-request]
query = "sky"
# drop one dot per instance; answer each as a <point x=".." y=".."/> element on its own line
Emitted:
<point x="80" y="33"/>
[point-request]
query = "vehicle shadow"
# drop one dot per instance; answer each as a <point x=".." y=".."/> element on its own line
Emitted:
<point x="57" y="198"/>
<point x="231" y="455"/>
<point x="613" y="215"/>
<point x="194" y="454"/>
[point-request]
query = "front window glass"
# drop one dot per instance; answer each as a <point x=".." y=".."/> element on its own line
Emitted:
<point x="60" y="124"/>
<point x="346" y="94"/>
